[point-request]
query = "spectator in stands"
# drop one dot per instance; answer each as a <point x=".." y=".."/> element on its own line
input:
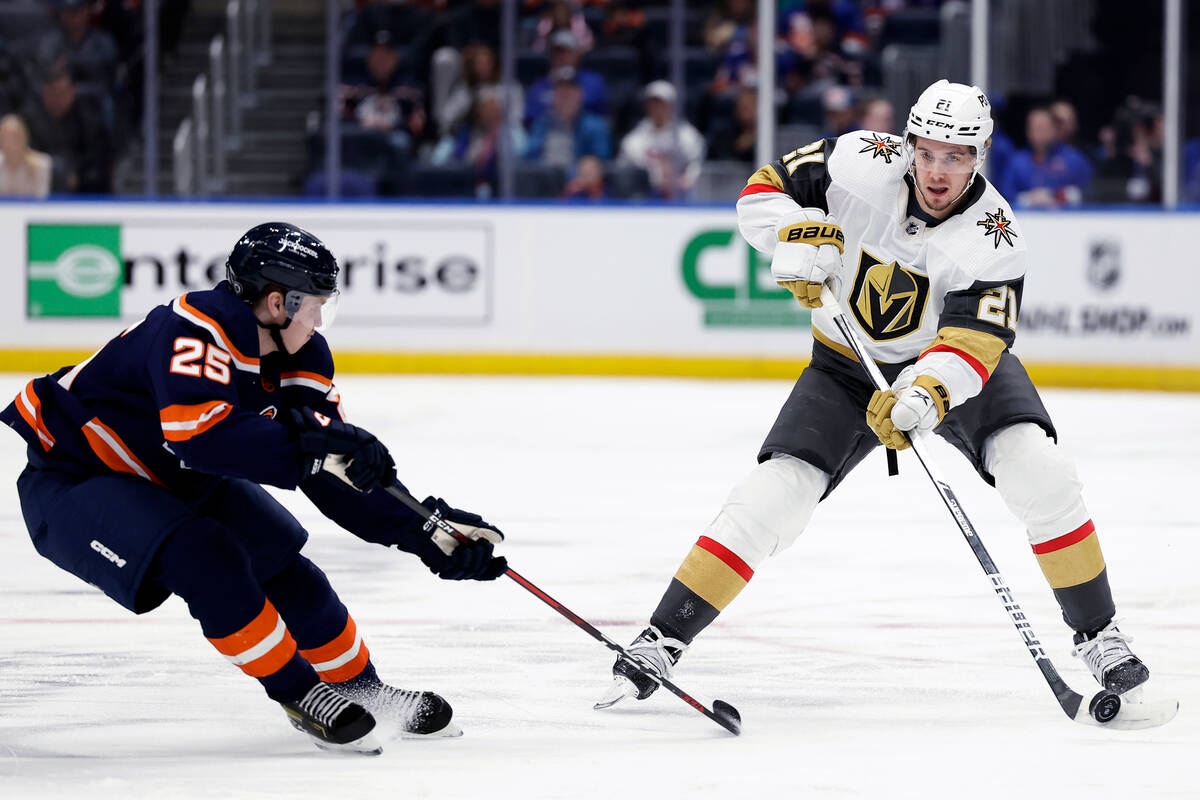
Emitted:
<point x="1066" y="122"/>
<point x="477" y="143"/>
<point x="89" y="53"/>
<point x="737" y="141"/>
<point x="1133" y="174"/>
<point x="878" y="115"/>
<point x="824" y="54"/>
<point x="670" y="151"/>
<point x="729" y="19"/>
<point x="479" y="71"/>
<point x="71" y="129"/>
<point x="564" y="52"/>
<point x="841" y="114"/>
<point x="1047" y="173"/>
<point x="588" y="181"/>
<point x="567" y="132"/>
<point x="562" y="15"/>
<point x="386" y="103"/>
<point x="23" y="172"/>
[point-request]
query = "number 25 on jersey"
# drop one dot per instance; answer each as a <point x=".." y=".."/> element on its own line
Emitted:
<point x="190" y="352"/>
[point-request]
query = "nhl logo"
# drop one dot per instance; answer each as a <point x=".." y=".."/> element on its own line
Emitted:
<point x="1104" y="265"/>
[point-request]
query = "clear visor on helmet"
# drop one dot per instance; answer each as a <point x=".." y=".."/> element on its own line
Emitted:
<point x="312" y="310"/>
<point x="943" y="159"/>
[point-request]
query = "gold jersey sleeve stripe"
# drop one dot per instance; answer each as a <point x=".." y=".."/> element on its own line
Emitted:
<point x="983" y="347"/>
<point x="708" y="576"/>
<point x="767" y="175"/>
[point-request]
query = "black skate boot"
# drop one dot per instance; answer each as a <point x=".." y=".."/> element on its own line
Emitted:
<point x="412" y="714"/>
<point x="1107" y="654"/>
<point x="652" y="651"/>
<point x="333" y="722"/>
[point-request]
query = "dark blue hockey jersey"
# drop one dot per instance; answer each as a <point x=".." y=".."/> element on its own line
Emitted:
<point x="183" y="397"/>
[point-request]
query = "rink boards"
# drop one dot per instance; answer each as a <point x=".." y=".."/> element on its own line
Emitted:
<point x="617" y="290"/>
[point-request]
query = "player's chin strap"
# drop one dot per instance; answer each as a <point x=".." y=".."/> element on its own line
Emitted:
<point x="274" y="331"/>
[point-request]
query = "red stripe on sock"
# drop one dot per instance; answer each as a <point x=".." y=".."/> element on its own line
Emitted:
<point x="727" y="556"/>
<point x="1078" y="535"/>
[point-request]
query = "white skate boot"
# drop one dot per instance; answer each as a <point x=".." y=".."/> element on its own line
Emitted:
<point x="1107" y="654"/>
<point x="653" y="652"/>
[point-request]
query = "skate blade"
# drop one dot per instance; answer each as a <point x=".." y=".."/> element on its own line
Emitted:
<point x="1135" y="716"/>
<point x="620" y="689"/>
<point x="451" y="731"/>
<point x="365" y="745"/>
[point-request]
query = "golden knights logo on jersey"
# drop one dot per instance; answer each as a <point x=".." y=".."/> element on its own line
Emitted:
<point x="888" y="300"/>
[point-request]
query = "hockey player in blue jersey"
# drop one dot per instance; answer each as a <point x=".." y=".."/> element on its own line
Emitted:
<point x="145" y="465"/>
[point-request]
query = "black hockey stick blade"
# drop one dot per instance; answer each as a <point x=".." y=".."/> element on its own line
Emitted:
<point x="721" y="713"/>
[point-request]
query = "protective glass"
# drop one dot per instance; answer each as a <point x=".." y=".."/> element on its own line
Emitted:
<point x="945" y="162"/>
<point x="311" y="310"/>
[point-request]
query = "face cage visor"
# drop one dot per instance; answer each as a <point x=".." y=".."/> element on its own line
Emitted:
<point x="941" y="162"/>
<point x="312" y="310"/>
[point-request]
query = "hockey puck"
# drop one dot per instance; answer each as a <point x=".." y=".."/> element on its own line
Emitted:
<point x="728" y="716"/>
<point x="1104" y="707"/>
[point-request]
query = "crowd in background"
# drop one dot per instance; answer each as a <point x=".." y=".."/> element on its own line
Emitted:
<point x="591" y="114"/>
<point x="71" y="90"/>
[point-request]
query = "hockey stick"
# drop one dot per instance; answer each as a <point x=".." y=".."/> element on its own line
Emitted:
<point x="1105" y="708"/>
<point x="721" y="712"/>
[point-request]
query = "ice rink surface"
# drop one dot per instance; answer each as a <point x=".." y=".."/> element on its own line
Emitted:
<point x="870" y="660"/>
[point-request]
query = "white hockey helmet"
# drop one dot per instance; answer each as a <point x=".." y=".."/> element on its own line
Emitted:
<point x="955" y="113"/>
<point x="952" y="112"/>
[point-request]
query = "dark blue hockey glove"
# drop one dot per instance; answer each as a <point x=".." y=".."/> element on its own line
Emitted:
<point x="454" y="560"/>
<point x="370" y="464"/>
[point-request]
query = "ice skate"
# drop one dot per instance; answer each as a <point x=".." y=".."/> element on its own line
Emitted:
<point x="333" y="722"/>
<point x="412" y="714"/>
<point x="652" y="651"/>
<point x="1107" y="654"/>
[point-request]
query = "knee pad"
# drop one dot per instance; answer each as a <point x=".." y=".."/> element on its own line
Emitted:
<point x="1036" y="480"/>
<point x="767" y="511"/>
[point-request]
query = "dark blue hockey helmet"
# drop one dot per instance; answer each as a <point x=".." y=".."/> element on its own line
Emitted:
<point x="279" y="254"/>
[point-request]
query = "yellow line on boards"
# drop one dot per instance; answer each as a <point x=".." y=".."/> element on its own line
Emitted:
<point x="1095" y="376"/>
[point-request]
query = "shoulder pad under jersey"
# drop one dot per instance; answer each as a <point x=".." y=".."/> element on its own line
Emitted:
<point x="985" y="239"/>
<point x="868" y="164"/>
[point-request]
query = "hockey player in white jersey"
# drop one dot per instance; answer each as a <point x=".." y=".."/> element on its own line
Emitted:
<point x="929" y="261"/>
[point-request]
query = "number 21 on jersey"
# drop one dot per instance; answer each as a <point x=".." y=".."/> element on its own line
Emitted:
<point x="188" y="354"/>
<point x="999" y="307"/>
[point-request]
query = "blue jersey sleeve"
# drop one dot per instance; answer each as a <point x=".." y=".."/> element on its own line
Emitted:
<point x="193" y="378"/>
<point x="306" y="379"/>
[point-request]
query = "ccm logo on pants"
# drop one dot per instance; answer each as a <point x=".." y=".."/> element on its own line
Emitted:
<point x="109" y="554"/>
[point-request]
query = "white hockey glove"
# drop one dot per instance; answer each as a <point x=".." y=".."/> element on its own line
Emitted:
<point x="808" y="253"/>
<point x="914" y="401"/>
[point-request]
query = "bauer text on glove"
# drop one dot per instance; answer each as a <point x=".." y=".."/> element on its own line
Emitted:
<point x="809" y="251"/>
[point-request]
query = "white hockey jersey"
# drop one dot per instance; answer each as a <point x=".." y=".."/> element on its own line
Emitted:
<point x="945" y="291"/>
